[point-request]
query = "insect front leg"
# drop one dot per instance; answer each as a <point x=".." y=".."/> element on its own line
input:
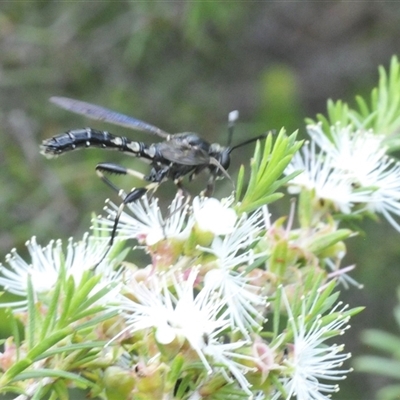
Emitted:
<point x="208" y="191"/>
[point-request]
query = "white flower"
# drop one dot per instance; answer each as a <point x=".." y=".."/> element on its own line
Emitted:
<point x="361" y="155"/>
<point x="352" y="151"/>
<point x="235" y="289"/>
<point x="243" y="300"/>
<point x="172" y="316"/>
<point x="156" y="307"/>
<point x="229" y="250"/>
<point x="47" y="263"/>
<point x="224" y="355"/>
<point x="200" y="320"/>
<point x="318" y="174"/>
<point x="385" y="196"/>
<point x="213" y="216"/>
<point x="310" y="360"/>
<point x="351" y="169"/>
<point x="147" y="223"/>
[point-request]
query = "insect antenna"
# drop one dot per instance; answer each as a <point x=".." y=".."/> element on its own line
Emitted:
<point x="233" y="116"/>
<point x="254" y="139"/>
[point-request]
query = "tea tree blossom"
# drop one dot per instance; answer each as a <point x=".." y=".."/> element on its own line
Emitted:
<point x="145" y="222"/>
<point x="311" y="362"/>
<point x="351" y="170"/>
<point x="319" y="175"/>
<point x="245" y="303"/>
<point x="233" y="249"/>
<point x="207" y="211"/>
<point x="47" y="264"/>
<point x="223" y="303"/>
<point x="361" y="155"/>
<point x="200" y="320"/>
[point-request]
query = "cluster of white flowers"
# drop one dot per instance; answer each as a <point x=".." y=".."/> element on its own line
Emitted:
<point x="48" y="263"/>
<point x="351" y="170"/>
<point x="210" y="299"/>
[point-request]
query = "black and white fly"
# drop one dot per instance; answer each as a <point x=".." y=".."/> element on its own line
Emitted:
<point x="177" y="156"/>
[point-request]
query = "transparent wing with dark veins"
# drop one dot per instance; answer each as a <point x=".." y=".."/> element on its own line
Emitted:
<point x="180" y="153"/>
<point x="104" y="114"/>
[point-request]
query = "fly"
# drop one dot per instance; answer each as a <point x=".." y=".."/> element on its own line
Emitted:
<point x="177" y="156"/>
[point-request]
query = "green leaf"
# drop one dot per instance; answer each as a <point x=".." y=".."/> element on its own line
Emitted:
<point x="11" y="389"/>
<point x="61" y="389"/>
<point x="15" y="332"/>
<point x="72" y="347"/>
<point x="51" y="340"/>
<point x="82" y="292"/>
<point x="96" y="320"/>
<point x="14" y="370"/>
<point x="51" y="315"/>
<point x="69" y="288"/>
<point x="239" y="183"/>
<point x="175" y="371"/>
<point x="55" y="373"/>
<point x="363" y="107"/>
<point x="382" y="341"/>
<point x="32" y="315"/>
<point x="319" y="302"/>
<point x="323" y="242"/>
<point x="390" y="392"/>
<point x="267" y="166"/>
<point x="378" y="365"/>
<point x="277" y="311"/>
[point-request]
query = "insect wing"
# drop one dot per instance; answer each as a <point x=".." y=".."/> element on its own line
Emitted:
<point x="181" y="153"/>
<point x="104" y="114"/>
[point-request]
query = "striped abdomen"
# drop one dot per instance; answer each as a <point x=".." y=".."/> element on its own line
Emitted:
<point x="84" y="138"/>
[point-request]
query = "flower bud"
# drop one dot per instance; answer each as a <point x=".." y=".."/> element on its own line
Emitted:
<point x="119" y="383"/>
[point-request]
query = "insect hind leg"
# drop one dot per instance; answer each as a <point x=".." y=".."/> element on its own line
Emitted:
<point x="132" y="196"/>
<point x="112" y="168"/>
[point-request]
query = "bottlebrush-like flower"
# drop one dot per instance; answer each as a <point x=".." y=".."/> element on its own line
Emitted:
<point x="147" y="224"/>
<point x="47" y="262"/>
<point x="351" y="169"/>
<point x="318" y="174"/>
<point x="228" y="278"/>
<point x="174" y="313"/>
<point x="310" y="360"/>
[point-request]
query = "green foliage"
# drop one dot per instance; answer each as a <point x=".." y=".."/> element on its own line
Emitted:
<point x="266" y="170"/>
<point x="381" y="114"/>
<point x="62" y="334"/>
<point x="385" y="366"/>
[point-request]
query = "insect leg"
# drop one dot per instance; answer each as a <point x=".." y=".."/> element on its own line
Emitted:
<point x="115" y="169"/>
<point x="208" y="191"/>
<point x="134" y="195"/>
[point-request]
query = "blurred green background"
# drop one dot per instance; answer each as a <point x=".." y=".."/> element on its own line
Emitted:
<point x="183" y="66"/>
